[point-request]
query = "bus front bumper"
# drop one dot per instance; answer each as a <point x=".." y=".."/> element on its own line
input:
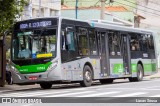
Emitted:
<point x="32" y="78"/>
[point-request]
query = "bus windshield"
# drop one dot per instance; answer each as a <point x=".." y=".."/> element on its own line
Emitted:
<point x="34" y="44"/>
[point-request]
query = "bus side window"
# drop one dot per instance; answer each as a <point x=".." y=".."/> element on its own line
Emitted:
<point x="134" y="42"/>
<point x="92" y="42"/>
<point x="150" y="42"/>
<point x="143" y="43"/>
<point x="83" y="41"/>
<point x="115" y="43"/>
<point x="70" y="41"/>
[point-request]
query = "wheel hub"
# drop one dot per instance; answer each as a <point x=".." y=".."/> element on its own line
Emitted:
<point x="88" y="76"/>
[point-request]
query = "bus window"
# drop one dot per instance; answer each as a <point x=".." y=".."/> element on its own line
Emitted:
<point x="92" y="42"/>
<point x="24" y="45"/>
<point x="44" y="43"/>
<point x="115" y="43"/>
<point x="134" y="42"/>
<point x="83" y="41"/>
<point x="70" y="41"/>
<point x="150" y="42"/>
<point x="143" y="42"/>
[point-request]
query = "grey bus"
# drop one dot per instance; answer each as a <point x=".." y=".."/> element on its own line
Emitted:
<point x="59" y="50"/>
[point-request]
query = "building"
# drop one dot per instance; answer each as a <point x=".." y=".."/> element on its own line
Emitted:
<point x="150" y="9"/>
<point x="41" y="8"/>
<point x="115" y="11"/>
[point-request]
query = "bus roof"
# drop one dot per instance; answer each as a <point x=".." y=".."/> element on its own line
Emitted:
<point x="110" y="26"/>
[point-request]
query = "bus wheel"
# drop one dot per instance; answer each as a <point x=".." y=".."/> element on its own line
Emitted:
<point x="46" y="85"/>
<point x="87" y="77"/>
<point x="106" y="81"/>
<point x="139" y="74"/>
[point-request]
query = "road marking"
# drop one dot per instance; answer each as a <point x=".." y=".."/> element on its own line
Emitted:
<point x="130" y="95"/>
<point x="31" y="94"/>
<point x="41" y="94"/>
<point x="27" y="105"/>
<point x="97" y="94"/>
<point x="63" y="95"/>
<point x="155" y="96"/>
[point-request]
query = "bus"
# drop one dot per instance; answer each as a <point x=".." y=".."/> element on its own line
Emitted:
<point x="54" y="50"/>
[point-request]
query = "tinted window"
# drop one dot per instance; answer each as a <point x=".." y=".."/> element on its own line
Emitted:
<point x="83" y="41"/>
<point x="115" y="43"/>
<point x="134" y="42"/>
<point x="92" y="43"/>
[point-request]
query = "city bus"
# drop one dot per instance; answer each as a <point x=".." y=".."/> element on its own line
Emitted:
<point x="48" y="51"/>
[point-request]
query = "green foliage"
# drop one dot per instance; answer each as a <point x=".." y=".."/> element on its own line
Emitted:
<point x="10" y="10"/>
<point x="62" y="2"/>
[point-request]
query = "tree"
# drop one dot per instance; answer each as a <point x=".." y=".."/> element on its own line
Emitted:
<point x="62" y="2"/>
<point x="10" y="10"/>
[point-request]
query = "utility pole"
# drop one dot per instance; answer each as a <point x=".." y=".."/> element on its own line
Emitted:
<point x="102" y="9"/>
<point x="76" y="9"/>
<point x="39" y="15"/>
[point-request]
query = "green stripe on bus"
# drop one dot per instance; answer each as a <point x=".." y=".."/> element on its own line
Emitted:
<point x="118" y="68"/>
<point x="150" y="67"/>
<point x="33" y="68"/>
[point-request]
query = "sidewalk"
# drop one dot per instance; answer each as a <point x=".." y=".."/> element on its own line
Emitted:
<point x="157" y="75"/>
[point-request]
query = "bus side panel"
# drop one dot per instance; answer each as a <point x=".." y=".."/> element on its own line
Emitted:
<point x="147" y="66"/>
<point x="134" y="67"/>
<point x="116" y="68"/>
<point x="74" y="70"/>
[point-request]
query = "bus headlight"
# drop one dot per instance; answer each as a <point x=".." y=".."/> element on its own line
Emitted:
<point x="14" y="69"/>
<point x="53" y="65"/>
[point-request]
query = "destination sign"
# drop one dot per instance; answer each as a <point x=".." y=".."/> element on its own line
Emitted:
<point x="35" y="24"/>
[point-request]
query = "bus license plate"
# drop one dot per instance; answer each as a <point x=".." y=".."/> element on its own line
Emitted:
<point x="33" y="78"/>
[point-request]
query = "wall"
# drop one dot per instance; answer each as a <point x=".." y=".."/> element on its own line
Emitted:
<point x="152" y="21"/>
<point x="48" y="8"/>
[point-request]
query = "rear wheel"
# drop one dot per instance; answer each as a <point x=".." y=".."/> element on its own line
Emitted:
<point x="87" y="77"/>
<point x="106" y="81"/>
<point x="46" y="85"/>
<point x="139" y="74"/>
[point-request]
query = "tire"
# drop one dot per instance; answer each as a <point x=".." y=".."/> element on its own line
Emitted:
<point x="106" y="81"/>
<point x="87" y="77"/>
<point x="46" y="85"/>
<point x="139" y="74"/>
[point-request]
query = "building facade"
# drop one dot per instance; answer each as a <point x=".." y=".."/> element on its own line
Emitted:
<point x="150" y="9"/>
<point x="41" y="8"/>
<point x="91" y="9"/>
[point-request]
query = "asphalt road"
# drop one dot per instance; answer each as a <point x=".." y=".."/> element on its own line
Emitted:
<point x="120" y="88"/>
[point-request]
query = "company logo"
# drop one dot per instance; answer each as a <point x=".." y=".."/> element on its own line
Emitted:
<point x="6" y="100"/>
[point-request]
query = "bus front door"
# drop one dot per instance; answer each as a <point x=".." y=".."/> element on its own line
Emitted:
<point x="126" y="54"/>
<point x="103" y="52"/>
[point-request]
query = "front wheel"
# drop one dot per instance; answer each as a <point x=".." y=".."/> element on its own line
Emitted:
<point x="46" y="85"/>
<point x="87" y="77"/>
<point x="139" y="74"/>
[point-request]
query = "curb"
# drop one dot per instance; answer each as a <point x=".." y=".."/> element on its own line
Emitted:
<point x="155" y="77"/>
